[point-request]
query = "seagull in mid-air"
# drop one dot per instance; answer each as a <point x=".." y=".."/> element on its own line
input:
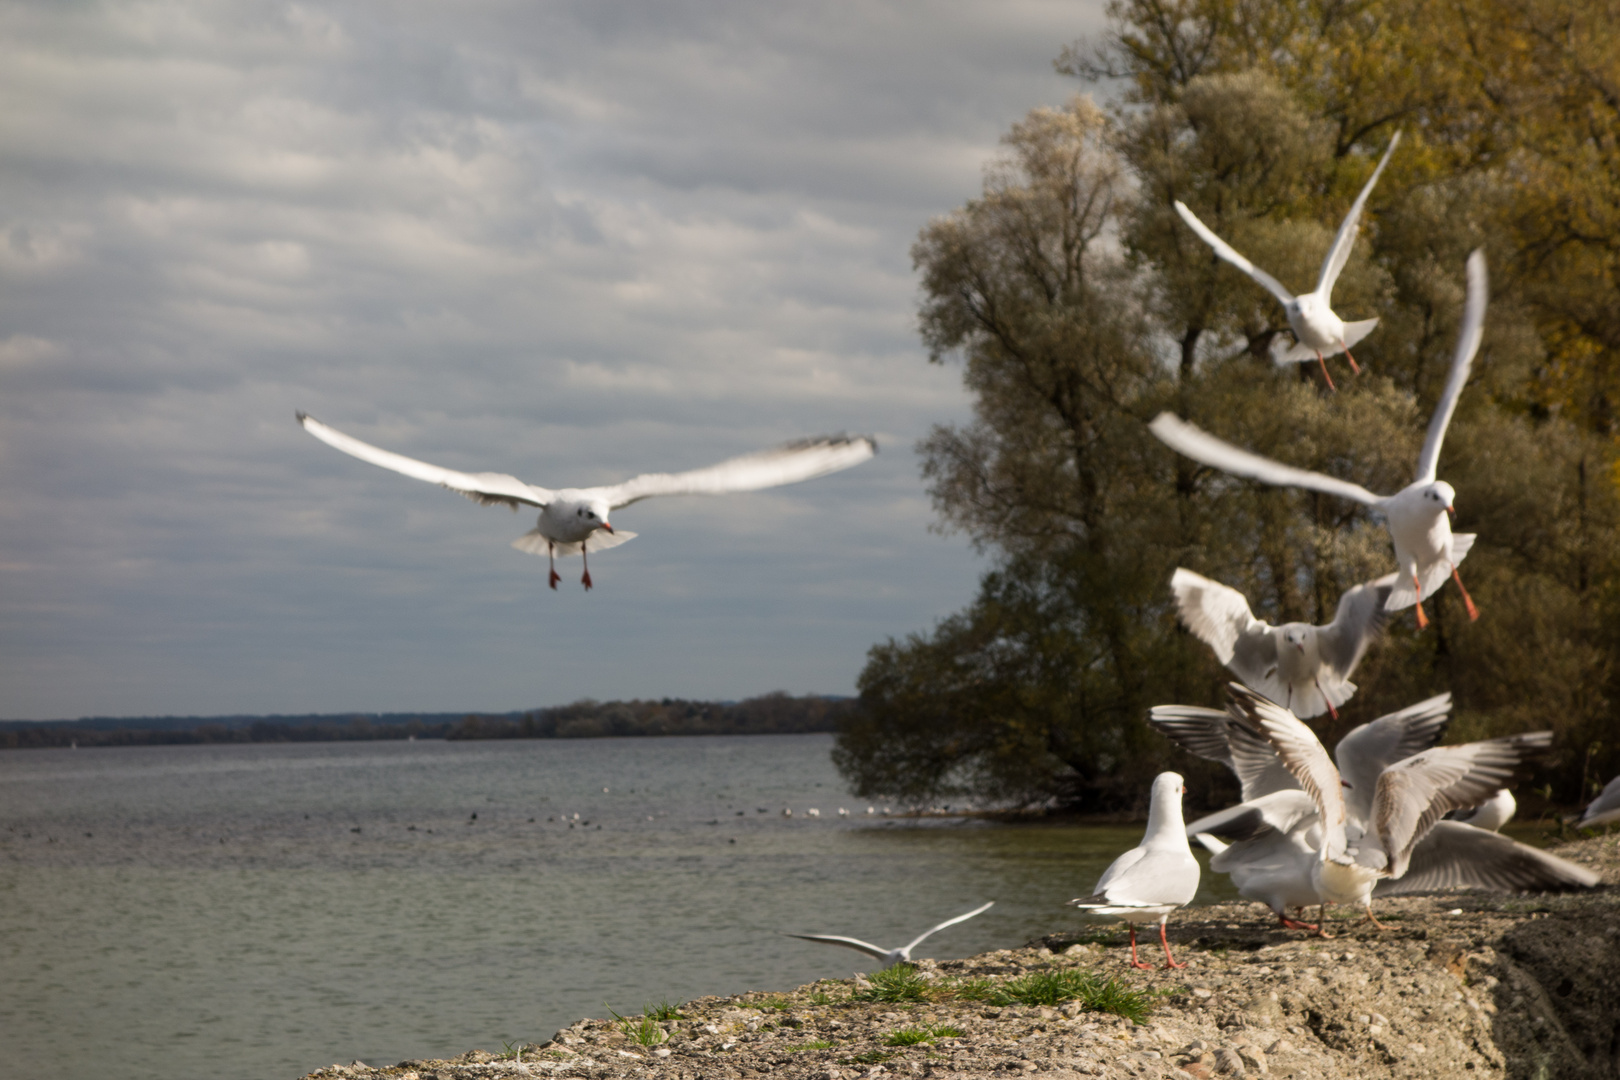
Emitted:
<point x="1320" y="332"/>
<point x="1154" y="878"/>
<point x="1425" y="548"/>
<point x="891" y="957"/>
<point x="1306" y="668"/>
<point x="573" y="520"/>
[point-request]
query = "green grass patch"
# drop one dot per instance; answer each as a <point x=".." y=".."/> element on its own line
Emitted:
<point x="821" y="997"/>
<point x="872" y="1057"/>
<point x="1096" y="993"/>
<point x="813" y="1044"/>
<point x="896" y="984"/>
<point x="662" y="1011"/>
<point x="643" y="1030"/>
<point x="913" y="1036"/>
<point x="773" y="1004"/>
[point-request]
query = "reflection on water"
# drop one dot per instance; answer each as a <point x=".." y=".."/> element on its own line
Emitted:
<point x="259" y="911"/>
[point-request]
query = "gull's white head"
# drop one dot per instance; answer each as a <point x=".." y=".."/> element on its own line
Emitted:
<point x="1295" y="635"/>
<point x="594" y="515"/>
<point x="1441" y="495"/>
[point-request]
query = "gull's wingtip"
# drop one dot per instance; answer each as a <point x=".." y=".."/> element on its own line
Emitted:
<point x="301" y="416"/>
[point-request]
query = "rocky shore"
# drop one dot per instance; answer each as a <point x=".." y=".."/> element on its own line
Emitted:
<point x="1460" y="986"/>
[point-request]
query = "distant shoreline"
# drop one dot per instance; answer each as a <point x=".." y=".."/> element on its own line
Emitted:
<point x="771" y="714"/>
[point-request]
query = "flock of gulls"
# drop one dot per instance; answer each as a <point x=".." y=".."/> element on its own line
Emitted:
<point x="1388" y="812"/>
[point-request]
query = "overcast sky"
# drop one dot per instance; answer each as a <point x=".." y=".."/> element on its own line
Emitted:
<point x="570" y="241"/>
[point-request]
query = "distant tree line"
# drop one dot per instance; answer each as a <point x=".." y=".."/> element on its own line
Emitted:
<point x="773" y="714"/>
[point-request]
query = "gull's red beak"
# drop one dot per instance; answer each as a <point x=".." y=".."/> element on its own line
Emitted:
<point x="606" y="526"/>
<point x="1452" y="510"/>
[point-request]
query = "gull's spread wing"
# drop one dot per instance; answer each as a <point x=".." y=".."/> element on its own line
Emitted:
<point x="1219" y="616"/>
<point x="847" y="942"/>
<point x="1217" y="736"/>
<point x="1458" y="856"/>
<point x="1414" y="794"/>
<point x="949" y="922"/>
<point x="1230" y="254"/>
<point x="1371" y="748"/>
<point x="787" y="464"/>
<point x="1201" y="446"/>
<point x="1473" y="328"/>
<point x="1359" y="619"/>
<point x="485" y="488"/>
<point x="1339" y="253"/>
<point x="1303" y="754"/>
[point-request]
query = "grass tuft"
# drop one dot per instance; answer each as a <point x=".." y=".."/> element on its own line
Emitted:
<point x="662" y="1011"/>
<point x="813" y="1044"/>
<point x="644" y="1030"/>
<point x="872" y="1057"/>
<point x="912" y="1036"/>
<point x="1055" y="987"/>
<point x="894" y="985"/>
<point x="777" y="1004"/>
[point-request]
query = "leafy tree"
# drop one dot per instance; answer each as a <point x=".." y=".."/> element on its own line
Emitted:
<point x="1081" y="307"/>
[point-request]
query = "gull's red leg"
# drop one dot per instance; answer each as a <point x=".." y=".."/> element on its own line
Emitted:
<point x="1136" y="963"/>
<point x="1353" y="365"/>
<point x="1325" y="374"/>
<point x="551" y="557"/>
<point x="1169" y="961"/>
<point x="1321" y="921"/>
<point x="1473" y="612"/>
<point x="1373" y="919"/>
<point x="1331" y="710"/>
<point x="1423" y="620"/>
<point x="586" y="580"/>
<point x="1294" y="924"/>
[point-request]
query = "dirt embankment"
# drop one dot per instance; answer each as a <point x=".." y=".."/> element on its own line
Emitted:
<point x="1460" y="986"/>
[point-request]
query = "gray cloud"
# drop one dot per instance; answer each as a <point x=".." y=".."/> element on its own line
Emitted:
<point x="572" y="241"/>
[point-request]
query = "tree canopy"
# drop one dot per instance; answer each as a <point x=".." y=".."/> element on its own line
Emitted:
<point x="1080" y="306"/>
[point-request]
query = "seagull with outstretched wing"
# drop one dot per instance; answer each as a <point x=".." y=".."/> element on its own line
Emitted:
<point x="574" y="520"/>
<point x="1425" y="548"/>
<point x="1320" y="332"/>
<point x="1305" y="667"/>
<point x="891" y="957"/>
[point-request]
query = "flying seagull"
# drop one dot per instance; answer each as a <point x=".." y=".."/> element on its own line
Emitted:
<point x="574" y="520"/>
<point x="1425" y="548"/>
<point x="1319" y="331"/>
<point x="1306" y="668"/>
<point x="1151" y="880"/>
<point x="891" y="957"/>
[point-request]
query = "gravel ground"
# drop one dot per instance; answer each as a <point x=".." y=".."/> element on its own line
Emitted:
<point x="1460" y="986"/>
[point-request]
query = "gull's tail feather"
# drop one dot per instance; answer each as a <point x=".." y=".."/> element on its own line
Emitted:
<point x="1353" y="333"/>
<point x="1401" y="595"/>
<point x="535" y="543"/>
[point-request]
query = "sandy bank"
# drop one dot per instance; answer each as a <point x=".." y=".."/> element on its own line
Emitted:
<point x="1461" y="986"/>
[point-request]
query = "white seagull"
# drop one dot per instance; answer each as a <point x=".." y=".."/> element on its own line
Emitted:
<point x="891" y="957"/>
<point x="1603" y="809"/>
<point x="1491" y="814"/>
<point x="1150" y="881"/>
<point x="573" y="520"/>
<point x="1320" y="332"/>
<point x="1370" y="831"/>
<point x="1305" y="667"/>
<point x="1425" y="548"/>
<point x="1276" y="831"/>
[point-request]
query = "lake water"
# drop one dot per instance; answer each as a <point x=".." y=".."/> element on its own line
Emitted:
<point x="260" y="911"/>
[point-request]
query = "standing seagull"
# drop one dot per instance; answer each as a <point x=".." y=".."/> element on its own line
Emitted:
<point x="573" y="519"/>
<point x="1321" y="333"/>
<point x="1425" y="548"/>
<point x="891" y="957"/>
<point x="1305" y="667"/>
<point x="1150" y="881"/>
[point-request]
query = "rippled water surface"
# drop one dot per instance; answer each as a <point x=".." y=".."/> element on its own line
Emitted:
<point x="260" y="911"/>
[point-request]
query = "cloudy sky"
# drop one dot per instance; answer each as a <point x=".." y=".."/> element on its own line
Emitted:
<point x="568" y="240"/>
